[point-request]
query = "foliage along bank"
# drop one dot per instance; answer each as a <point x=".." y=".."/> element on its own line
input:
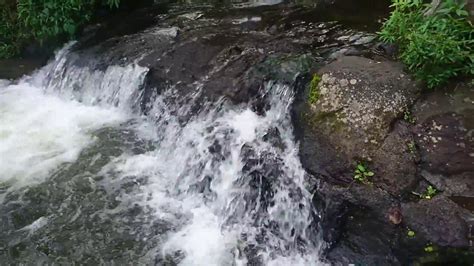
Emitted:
<point x="435" y="40"/>
<point x="25" y="21"/>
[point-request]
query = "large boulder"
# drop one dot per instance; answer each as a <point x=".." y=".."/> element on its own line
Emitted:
<point x="353" y="119"/>
<point x="358" y="101"/>
<point x="364" y="110"/>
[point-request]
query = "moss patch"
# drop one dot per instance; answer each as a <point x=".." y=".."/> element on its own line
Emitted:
<point x="323" y="121"/>
<point x="314" y="92"/>
<point x="284" y="68"/>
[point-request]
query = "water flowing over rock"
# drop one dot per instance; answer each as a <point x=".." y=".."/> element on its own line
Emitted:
<point x="159" y="186"/>
<point x="198" y="168"/>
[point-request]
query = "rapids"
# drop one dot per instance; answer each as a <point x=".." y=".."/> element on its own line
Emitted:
<point x="87" y="178"/>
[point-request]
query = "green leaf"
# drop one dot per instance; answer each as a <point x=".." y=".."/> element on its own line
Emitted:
<point x="69" y="29"/>
<point x="361" y="167"/>
<point x="429" y="249"/>
<point x="370" y="173"/>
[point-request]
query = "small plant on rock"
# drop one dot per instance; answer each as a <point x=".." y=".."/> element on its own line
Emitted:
<point x="411" y="146"/>
<point x="429" y="248"/>
<point x="428" y="194"/>
<point x="362" y="173"/>
<point x="408" y="117"/>
<point x="411" y="233"/>
<point x="313" y="89"/>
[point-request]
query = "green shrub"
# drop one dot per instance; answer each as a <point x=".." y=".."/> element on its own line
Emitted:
<point x="50" y="18"/>
<point x="26" y="20"/>
<point x="10" y="31"/>
<point x="435" y="47"/>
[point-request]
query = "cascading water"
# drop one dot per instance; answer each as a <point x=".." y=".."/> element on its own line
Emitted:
<point x="87" y="178"/>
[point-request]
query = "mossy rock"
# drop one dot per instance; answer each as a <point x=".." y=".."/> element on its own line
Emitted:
<point x="351" y="105"/>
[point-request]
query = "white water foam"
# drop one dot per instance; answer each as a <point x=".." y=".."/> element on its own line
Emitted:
<point x="39" y="132"/>
<point x="207" y="198"/>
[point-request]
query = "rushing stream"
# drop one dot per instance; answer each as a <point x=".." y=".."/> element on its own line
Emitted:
<point x="87" y="178"/>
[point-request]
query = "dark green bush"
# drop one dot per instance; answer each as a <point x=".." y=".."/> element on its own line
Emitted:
<point x="9" y="34"/>
<point x="49" y="18"/>
<point x="27" y="20"/>
<point x="435" y="47"/>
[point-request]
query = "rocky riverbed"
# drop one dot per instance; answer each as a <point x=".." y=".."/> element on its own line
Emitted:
<point x="415" y="207"/>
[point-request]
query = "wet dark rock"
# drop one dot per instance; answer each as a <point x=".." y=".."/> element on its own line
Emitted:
<point x="351" y="121"/>
<point x="120" y="23"/>
<point x="215" y="54"/>
<point x="204" y="187"/>
<point x="358" y="228"/>
<point x="357" y="118"/>
<point x="260" y="177"/>
<point x="16" y="68"/>
<point x="394" y="164"/>
<point x="439" y="220"/>
<point x="363" y="240"/>
<point x="339" y="200"/>
<point x="273" y="137"/>
<point x="389" y="50"/>
<point x="443" y="136"/>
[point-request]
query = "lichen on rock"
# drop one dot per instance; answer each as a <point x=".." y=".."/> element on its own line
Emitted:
<point x="365" y="95"/>
<point x="358" y="100"/>
<point x="359" y="117"/>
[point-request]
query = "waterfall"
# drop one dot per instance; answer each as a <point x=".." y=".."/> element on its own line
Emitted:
<point x="222" y="187"/>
